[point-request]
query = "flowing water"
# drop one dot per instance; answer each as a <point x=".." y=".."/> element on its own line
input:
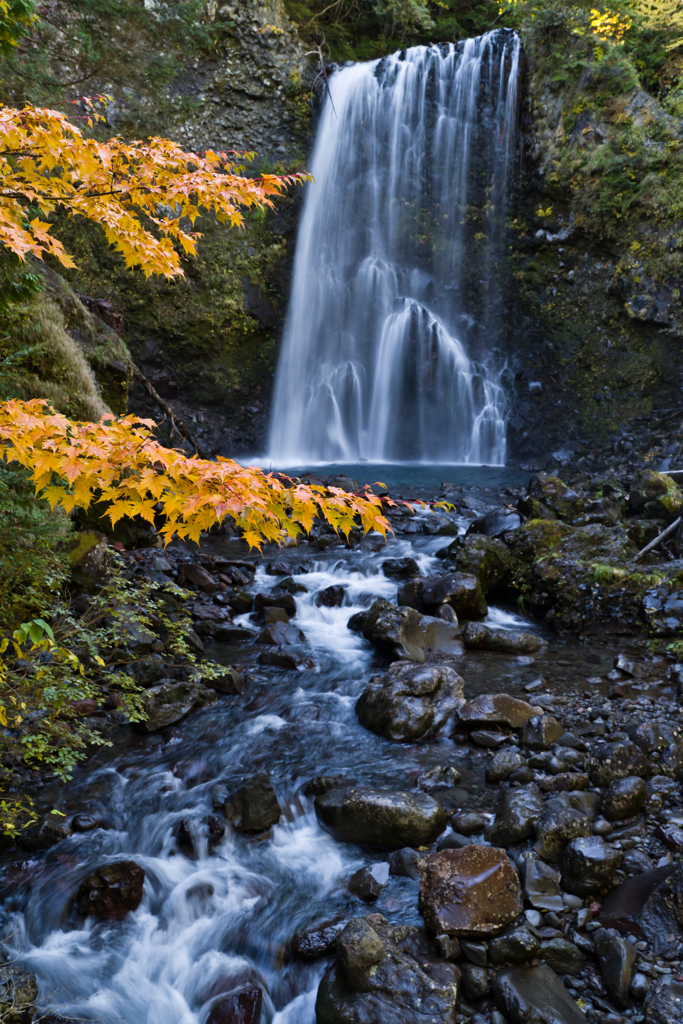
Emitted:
<point x="397" y="287"/>
<point x="213" y="923"/>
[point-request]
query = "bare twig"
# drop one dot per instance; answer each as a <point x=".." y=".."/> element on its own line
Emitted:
<point x="319" y="51"/>
<point x="663" y="535"/>
<point x="177" y="423"/>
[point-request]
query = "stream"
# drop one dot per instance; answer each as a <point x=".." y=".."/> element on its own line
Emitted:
<point x="216" y="921"/>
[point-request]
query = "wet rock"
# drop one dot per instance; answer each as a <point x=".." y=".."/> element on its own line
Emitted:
<point x="647" y="487"/>
<point x="516" y="811"/>
<point x="534" y="995"/>
<point x="285" y="569"/>
<point x="241" y="602"/>
<point x="382" y="818"/>
<point x="396" y="630"/>
<point x="588" y="865"/>
<point x="18" y="994"/>
<point x="495" y="709"/>
<point x="234" y="635"/>
<point x="541" y="884"/>
<point x="331" y="597"/>
<point x="440" y="777"/>
<point x="665" y="740"/>
<point x="556" y="827"/>
<point x="489" y="738"/>
<point x="447" y="948"/>
<point x="230" y="681"/>
<point x="47" y="831"/>
<point x="86" y="823"/>
<point x="608" y="762"/>
<point x="636" y="862"/>
<point x="400" y="568"/>
<point x="289" y="659"/>
<point x="441" y="633"/>
<point x="357" y="622"/>
<point x="285" y="603"/>
<point x="273" y="615"/>
<point x="462" y="592"/>
<point x="411" y="701"/>
<point x="515" y="946"/>
<point x="404" y="863"/>
<point x="477" y="636"/>
<point x="565" y="782"/>
<point x="476" y="952"/>
<point x="623" y="798"/>
<point x="477" y="555"/>
<point x="280" y="635"/>
<point x="316" y="940"/>
<point x="472" y="892"/>
<point x="640" y="985"/>
<point x="386" y="975"/>
<point x="198" y="575"/>
<point x="541" y="732"/>
<point x="253" y="807"/>
<point x="503" y="764"/>
<point x="617" y="959"/>
<point x="237" y="1008"/>
<point x="289" y="586"/>
<point x="469" y="822"/>
<point x="562" y="955"/>
<point x="169" y="702"/>
<point x="112" y="891"/>
<point x="367" y="883"/>
<point x="664" y="1003"/>
<point x="496" y="522"/>
<point x="661" y="916"/>
<point x="475" y="981"/>
<point x="555" y="495"/>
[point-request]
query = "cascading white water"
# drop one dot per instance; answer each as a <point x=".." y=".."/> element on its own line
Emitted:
<point x="401" y="234"/>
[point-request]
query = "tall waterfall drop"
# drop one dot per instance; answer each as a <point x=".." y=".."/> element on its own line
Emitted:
<point x="398" y="258"/>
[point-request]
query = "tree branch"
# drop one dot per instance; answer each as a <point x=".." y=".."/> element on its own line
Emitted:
<point x="178" y="424"/>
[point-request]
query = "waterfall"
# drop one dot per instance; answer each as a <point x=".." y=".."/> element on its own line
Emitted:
<point x="398" y="269"/>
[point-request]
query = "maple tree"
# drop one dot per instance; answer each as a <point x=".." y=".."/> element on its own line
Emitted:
<point x="120" y="463"/>
<point x="146" y="196"/>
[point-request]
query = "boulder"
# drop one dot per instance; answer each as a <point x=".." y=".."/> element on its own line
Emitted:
<point x="331" y="597"/>
<point x="623" y="798"/>
<point x="562" y="955"/>
<point x="112" y="891"/>
<point x="534" y="995"/>
<point x="666" y="741"/>
<point x="475" y="981"/>
<point x="557" y="826"/>
<point x="664" y="1003"/>
<point x="647" y="488"/>
<point x="46" y="832"/>
<point x="285" y="602"/>
<point x="242" y="1007"/>
<point x="383" y="818"/>
<point x="89" y="558"/>
<point x="617" y="959"/>
<point x="386" y="974"/>
<point x="400" y="568"/>
<point x="495" y="709"/>
<point x="516" y="812"/>
<point x="367" y="883"/>
<point x="287" y="658"/>
<point x="470" y="892"/>
<point x="316" y="940"/>
<point x="253" y="807"/>
<point x="588" y="866"/>
<point x="461" y="591"/>
<point x="170" y="701"/>
<point x="396" y="630"/>
<point x="199" y="577"/>
<point x="660" y="916"/>
<point x="496" y="522"/>
<point x="541" y="732"/>
<point x="476" y="636"/>
<point x="550" y="491"/>
<point x="503" y="764"/>
<point x="477" y="555"/>
<point x="229" y="681"/>
<point x="410" y="701"/>
<point x="515" y="946"/>
<point x="608" y="762"/>
<point x="280" y="634"/>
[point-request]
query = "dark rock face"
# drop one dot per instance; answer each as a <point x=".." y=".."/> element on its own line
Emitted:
<point x="238" y="1008"/>
<point x="112" y="891"/>
<point x="495" y="709"/>
<point x="608" y="762"/>
<point x="410" y="702"/>
<point x="469" y="892"/>
<point x="479" y="637"/>
<point x="316" y="940"/>
<point x="664" y="1003"/>
<point x="463" y="593"/>
<point x="382" y="818"/>
<point x="541" y="884"/>
<point x="396" y="630"/>
<point x="386" y="975"/>
<point x="661" y="916"/>
<point x="617" y="959"/>
<point x="516" y="812"/>
<point x="555" y="495"/>
<point x="254" y="807"/>
<point x="588" y="865"/>
<point x="534" y="995"/>
<point x="562" y="955"/>
<point x="623" y="798"/>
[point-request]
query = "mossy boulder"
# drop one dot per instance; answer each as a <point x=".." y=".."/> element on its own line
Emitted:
<point x="88" y="556"/>
<point x="487" y="558"/>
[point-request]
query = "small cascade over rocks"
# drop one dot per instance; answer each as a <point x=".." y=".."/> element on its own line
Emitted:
<point x="397" y="288"/>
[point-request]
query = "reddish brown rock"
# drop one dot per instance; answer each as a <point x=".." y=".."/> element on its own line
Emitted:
<point x="498" y="708"/>
<point x="112" y="891"/>
<point x="199" y="576"/>
<point x="469" y="892"/>
<point x="239" y="1008"/>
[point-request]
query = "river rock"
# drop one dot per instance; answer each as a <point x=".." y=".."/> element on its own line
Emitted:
<point x="515" y="946"/>
<point x="242" y="1007"/>
<point x="254" y="806"/>
<point x="608" y="762"/>
<point x="664" y="1003"/>
<point x="516" y="811"/>
<point x="396" y="630"/>
<point x="442" y="776"/>
<point x="541" y="884"/>
<point x="666" y="739"/>
<point x="317" y="940"/>
<point x="280" y="634"/>
<point x="557" y="826"/>
<point x="112" y="891"/>
<point x="404" y="863"/>
<point x="617" y="959"/>
<point x="495" y="709"/>
<point x="457" y="589"/>
<point x="386" y="974"/>
<point x="541" y="732"/>
<point x="588" y="865"/>
<point x="623" y="798"/>
<point x="548" y="489"/>
<point x="383" y="818"/>
<point x="331" y="597"/>
<point x="477" y="555"/>
<point x="562" y="955"/>
<point x="476" y="636"/>
<point x="469" y="822"/>
<point x="400" y="568"/>
<point x="367" y="883"/>
<point x="475" y="981"/>
<point x="229" y="681"/>
<point x="46" y="832"/>
<point x="170" y="701"/>
<point x="661" y="916"/>
<point x="411" y="701"/>
<point x="503" y="764"/>
<point x="285" y="602"/>
<point x="496" y="522"/>
<point x="534" y="995"/>
<point x="472" y="892"/>
<point x="197" y="575"/>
